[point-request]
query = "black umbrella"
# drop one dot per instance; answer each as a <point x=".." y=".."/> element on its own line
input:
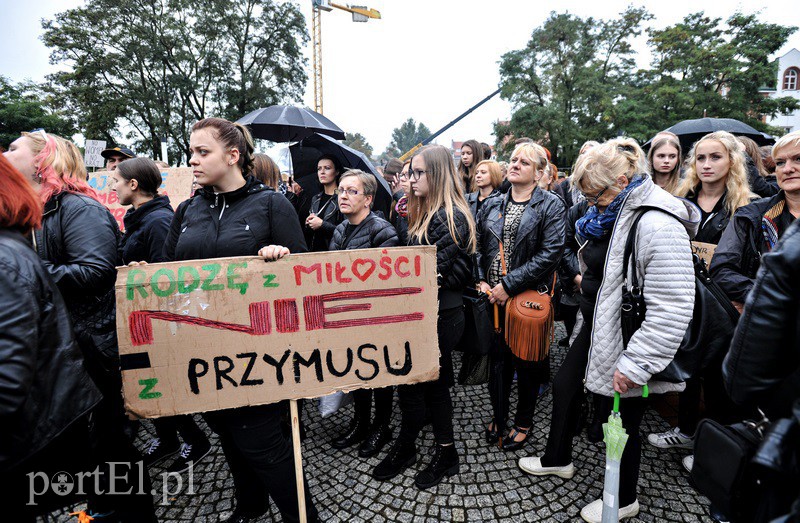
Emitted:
<point x="306" y="154"/>
<point x="689" y="131"/>
<point x="286" y="123"/>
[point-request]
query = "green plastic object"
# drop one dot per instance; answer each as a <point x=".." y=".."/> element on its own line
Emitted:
<point x="616" y="402"/>
<point x="645" y="390"/>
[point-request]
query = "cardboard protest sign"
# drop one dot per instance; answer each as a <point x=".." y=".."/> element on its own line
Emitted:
<point x="206" y="335"/>
<point x="705" y="251"/>
<point x="92" y="156"/>
<point x="177" y="184"/>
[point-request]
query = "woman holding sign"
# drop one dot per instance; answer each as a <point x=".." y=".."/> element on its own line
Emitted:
<point x="716" y="181"/>
<point x="363" y="229"/>
<point x="442" y="218"/>
<point x="233" y="214"/>
<point x="78" y="246"/>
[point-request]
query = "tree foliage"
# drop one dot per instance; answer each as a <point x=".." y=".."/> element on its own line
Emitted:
<point x="358" y="142"/>
<point x="405" y="137"/>
<point x="576" y="79"/>
<point x="24" y="107"/>
<point x="164" y="64"/>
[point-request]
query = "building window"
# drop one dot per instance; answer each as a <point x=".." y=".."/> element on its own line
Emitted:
<point x="790" y="79"/>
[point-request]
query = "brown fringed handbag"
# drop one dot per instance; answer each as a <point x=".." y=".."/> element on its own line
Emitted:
<point x="529" y="320"/>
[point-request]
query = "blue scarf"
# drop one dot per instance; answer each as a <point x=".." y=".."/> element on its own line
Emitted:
<point x="595" y="225"/>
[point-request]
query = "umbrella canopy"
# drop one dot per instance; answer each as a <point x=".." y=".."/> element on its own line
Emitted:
<point x="306" y="154"/>
<point x="286" y="123"/>
<point x="615" y="438"/>
<point x="689" y="131"/>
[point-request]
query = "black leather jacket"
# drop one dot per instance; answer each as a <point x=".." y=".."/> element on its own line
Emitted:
<point x="539" y="243"/>
<point x="236" y="223"/>
<point x="472" y="200"/>
<point x="453" y="262"/>
<point x="146" y="230"/>
<point x="331" y="217"/>
<point x="738" y="254"/>
<point x="78" y="246"/>
<point x="762" y="367"/>
<point x="570" y="266"/>
<point x="44" y="386"/>
<point x="373" y="232"/>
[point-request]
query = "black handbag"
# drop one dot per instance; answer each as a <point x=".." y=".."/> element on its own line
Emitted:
<point x="722" y="468"/>
<point x="478" y="328"/>
<point x="713" y="318"/>
<point x="474" y="369"/>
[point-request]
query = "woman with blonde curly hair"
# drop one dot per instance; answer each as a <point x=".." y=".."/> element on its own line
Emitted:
<point x="716" y="181"/>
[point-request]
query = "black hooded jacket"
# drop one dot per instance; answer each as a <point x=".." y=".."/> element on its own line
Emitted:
<point x="331" y="217"/>
<point x="44" y="386"/>
<point x="373" y="232"/>
<point x="236" y="223"/>
<point x="146" y="230"/>
<point x="539" y="242"/>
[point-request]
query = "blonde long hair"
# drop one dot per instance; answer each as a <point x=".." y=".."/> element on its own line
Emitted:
<point x="442" y="194"/>
<point x="59" y="164"/>
<point x="736" y="183"/>
<point x="660" y="141"/>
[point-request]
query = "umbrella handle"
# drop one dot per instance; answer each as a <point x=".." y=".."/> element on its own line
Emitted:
<point x="645" y="394"/>
<point x="616" y="403"/>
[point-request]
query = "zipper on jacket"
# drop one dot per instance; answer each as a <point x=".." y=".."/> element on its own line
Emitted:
<point x="222" y="210"/>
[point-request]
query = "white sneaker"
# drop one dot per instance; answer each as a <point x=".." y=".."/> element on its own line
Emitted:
<point x="534" y="466"/>
<point x="688" y="462"/>
<point x="671" y="439"/>
<point x="593" y="512"/>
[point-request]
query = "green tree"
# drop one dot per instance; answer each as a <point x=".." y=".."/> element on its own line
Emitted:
<point x="358" y="142"/>
<point x="173" y="62"/>
<point x="24" y="107"/>
<point x="565" y="82"/>
<point x="702" y="66"/>
<point x="405" y="137"/>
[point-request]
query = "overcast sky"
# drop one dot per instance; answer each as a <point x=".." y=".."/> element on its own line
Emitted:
<point x="426" y="59"/>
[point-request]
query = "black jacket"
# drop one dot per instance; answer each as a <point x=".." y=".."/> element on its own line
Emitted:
<point x="453" y="262"/>
<point x="472" y="201"/>
<point x="373" y="232"/>
<point x="738" y="254"/>
<point x="539" y="243"/>
<point x="236" y="223"/>
<point x="762" y="367"/>
<point x="44" y="386"/>
<point x="570" y="266"/>
<point x="78" y="246"/>
<point x="146" y="230"/>
<point x="331" y="217"/>
<point x="764" y="187"/>
<point x="711" y="228"/>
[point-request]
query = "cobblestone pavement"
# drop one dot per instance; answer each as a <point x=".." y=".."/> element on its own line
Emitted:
<point x="490" y="487"/>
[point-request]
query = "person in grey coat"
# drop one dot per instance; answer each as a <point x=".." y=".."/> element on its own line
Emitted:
<point x="612" y="177"/>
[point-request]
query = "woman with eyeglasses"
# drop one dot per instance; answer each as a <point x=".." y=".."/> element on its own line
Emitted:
<point x="488" y="178"/>
<point x="613" y="178"/>
<point x="440" y="216"/>
<point x="528" y="224"/>
<point x="78" y="246"/>
<point x="324" y="215"/>
<point x="363" y="229"/>
<point x="233" y="214"/>
<point x="401" y="207"/>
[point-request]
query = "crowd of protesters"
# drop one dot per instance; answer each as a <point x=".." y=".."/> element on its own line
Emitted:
<point x="502" y="229"/>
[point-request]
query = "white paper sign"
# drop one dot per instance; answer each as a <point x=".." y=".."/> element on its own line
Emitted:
<point x="92" y="157"/>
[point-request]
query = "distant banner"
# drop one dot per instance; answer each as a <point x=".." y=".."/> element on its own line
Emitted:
<point x="177" y="184"/>
<point x="206" y="335"/>
<point x="705" y="251"/>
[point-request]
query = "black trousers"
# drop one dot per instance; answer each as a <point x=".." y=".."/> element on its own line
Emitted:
<point x="261" y="460"/>
<point x="718" y="405"/>
<point x="529" y="377"/>
<point x="435" y="395"/>
<point x="384" y="398"/>
<point x="569" y="313"/>
<point x="167" y="430"/>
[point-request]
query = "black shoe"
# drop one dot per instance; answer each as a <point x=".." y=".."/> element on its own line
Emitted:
<point x="594" y="432"/>
<point x="190" y="455"/>
<point x="243" y="516"/>
<point x="376" y="439"/>
<point x="510" y="444"/>
<point x="444" y="463"/>
<point x="492" y="436"/>
<point x="401" y="456"/>
<point x="563" y="342"/>
<point x="355" y="434"/>
<point x="155" y="451"/>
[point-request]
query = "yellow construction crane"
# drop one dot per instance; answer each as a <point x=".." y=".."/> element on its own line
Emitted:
<point x="360" y="14"/>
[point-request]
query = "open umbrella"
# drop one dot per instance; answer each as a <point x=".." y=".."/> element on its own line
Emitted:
<point x="286" y="123"/>
<point x="689" y="131"/>
<point x="306" y="153"/>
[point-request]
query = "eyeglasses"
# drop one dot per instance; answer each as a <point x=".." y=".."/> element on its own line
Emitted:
<point x="416" y="174"/>
<point x="402" y="176"/>
<point x="41" y="132"/>
<point x="350" y="192"/>
<point x="594" y="199"/>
